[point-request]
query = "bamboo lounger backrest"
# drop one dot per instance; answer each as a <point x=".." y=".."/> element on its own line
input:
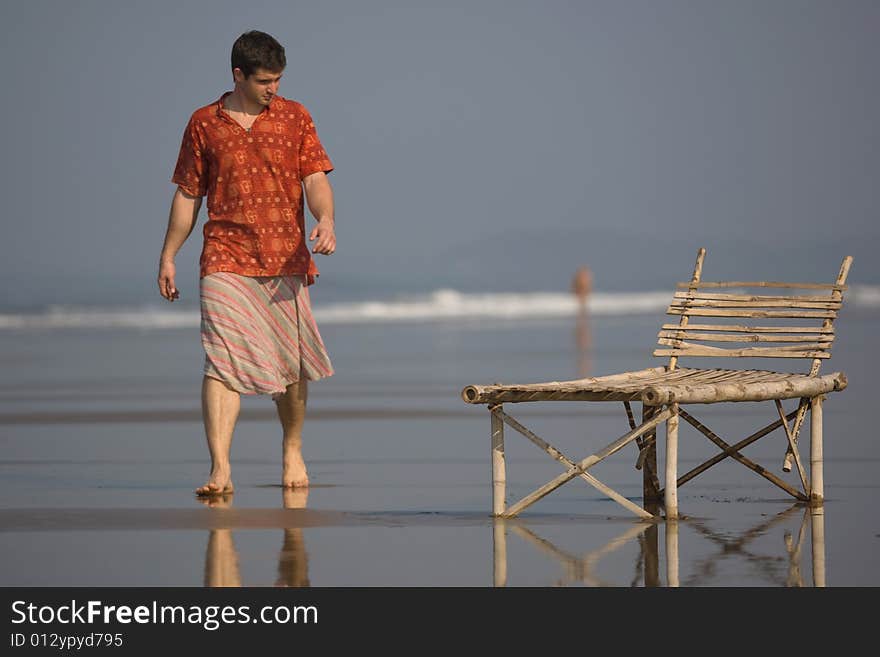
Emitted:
<point x="776" y="322"/>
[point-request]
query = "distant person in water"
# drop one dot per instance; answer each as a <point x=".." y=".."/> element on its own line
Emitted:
<point x="256" y="156"/>
<point x="582" y="285"/>
<point x="582" y="288"/>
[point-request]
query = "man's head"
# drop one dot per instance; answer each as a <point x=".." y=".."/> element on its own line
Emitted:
<point x="257" y="64"/>
<point x="254" y="50"/>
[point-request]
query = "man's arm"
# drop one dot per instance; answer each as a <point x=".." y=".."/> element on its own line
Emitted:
<point x="181" y="221"/>
<point x="319" y="196"/>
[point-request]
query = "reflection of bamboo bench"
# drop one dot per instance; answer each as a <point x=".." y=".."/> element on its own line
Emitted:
<point x="788" y="326"/>
<point x="583" y="568"/>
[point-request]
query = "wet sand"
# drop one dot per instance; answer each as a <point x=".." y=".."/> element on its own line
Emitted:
<point x="410" y="523"/>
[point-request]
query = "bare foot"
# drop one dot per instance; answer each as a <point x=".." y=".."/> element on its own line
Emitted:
<point x="211" y="489"/>
<point x="219" y="483"/>
<point x="295" y="474"/>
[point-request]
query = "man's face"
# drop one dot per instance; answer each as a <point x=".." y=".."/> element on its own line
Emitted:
<point x="260" y="87"/>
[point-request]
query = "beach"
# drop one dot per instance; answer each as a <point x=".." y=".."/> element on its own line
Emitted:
<point x="102" y="446"/>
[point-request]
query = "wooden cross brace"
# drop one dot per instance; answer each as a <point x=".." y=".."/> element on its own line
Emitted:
<point x="733" y="451"/>
<point x="573" y="469"/>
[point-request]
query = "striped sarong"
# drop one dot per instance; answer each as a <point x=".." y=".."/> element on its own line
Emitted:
<point x="259" y="334"/>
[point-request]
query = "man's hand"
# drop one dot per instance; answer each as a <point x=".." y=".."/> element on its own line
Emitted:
<point x="325" y="234"/>
<point x="181" y="220"/>
<point x="167" y="288"/>
<point x="319" y="196"/>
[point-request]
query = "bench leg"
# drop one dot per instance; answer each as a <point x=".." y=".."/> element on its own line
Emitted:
<point x="671" y="487"/>
<point x="817" y="491"/>
<point x="499" y="470"/>
<point x="650" y="484"/>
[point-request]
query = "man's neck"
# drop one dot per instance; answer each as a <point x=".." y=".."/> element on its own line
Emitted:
<point x="238" y="103"/>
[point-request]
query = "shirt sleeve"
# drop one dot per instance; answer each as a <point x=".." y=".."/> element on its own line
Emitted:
<point x="312" y="156"/>
<point x="191" y="169"/>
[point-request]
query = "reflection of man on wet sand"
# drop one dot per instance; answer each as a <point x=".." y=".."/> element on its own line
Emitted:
<point x="221" y="557"/>
<point x="582" y="287"/>
<point x="293" y="562"/>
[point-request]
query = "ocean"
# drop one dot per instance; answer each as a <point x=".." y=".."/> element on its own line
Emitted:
<point x="102" y="445"/>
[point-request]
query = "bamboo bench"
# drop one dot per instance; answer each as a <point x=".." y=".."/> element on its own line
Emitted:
<point x="792" y="326"/>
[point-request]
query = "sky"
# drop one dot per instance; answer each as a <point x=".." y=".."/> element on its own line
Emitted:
<point x="477" y="144"/>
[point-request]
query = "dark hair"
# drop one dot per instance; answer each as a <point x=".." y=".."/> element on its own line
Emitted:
<point x="254" y="49"/>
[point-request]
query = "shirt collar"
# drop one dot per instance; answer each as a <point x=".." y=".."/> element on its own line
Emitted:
<point x="273" y="104"/>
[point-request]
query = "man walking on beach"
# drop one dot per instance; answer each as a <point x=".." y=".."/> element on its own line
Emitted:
<point x="254" y="154"/>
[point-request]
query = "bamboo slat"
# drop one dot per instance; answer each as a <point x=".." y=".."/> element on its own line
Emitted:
<point x="800" y="286"/>
<point x="720" y="376"/>
<point x="680" y="343"/>
<point x="745" y="337"/>
<point x="708" y="312"/>
<point x="725" y="296"/>
<point x="786" y="303"/>
<point x="753" y="352"/>
<point x="752" y="329"/>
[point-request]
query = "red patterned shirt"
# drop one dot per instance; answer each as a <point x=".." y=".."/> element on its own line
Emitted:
<point x="253" y="180"/>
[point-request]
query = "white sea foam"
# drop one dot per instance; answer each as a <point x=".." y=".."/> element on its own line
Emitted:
<point x="440" y="305"/>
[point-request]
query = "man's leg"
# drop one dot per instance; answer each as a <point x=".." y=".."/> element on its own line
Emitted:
<point x="292" y="413"/>
<point x="220" y="406"/>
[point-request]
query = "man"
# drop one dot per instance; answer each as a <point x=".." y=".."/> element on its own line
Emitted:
<point x="253" y="154"/>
